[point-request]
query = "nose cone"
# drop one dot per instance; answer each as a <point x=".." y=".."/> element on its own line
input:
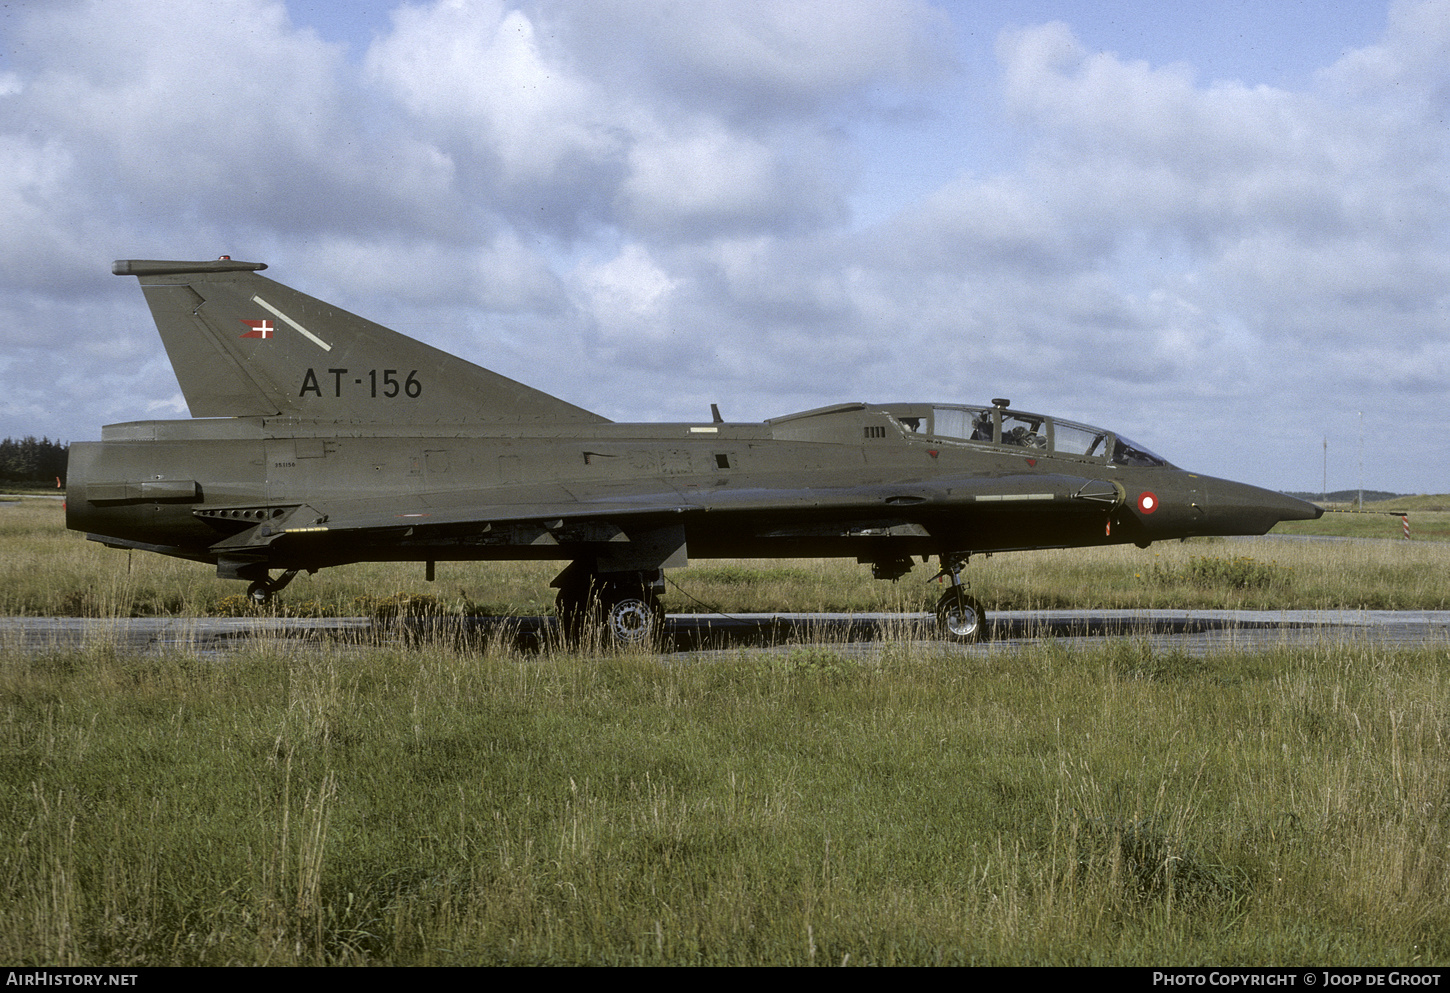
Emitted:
<point x="1237" y="508"/>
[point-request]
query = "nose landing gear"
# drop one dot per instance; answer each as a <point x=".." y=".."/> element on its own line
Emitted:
<point x="959" y="617"/>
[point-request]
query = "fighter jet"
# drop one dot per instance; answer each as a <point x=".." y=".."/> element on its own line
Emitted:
<point x="320" y="438"/>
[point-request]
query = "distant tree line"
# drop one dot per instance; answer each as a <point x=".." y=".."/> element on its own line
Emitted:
<point x="26" y="460"/>
<point x="1349" y="496"/>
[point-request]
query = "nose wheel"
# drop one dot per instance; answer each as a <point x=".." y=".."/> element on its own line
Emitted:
<point x="959" y="617"/>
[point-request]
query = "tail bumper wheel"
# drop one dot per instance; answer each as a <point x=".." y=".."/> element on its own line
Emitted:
<point x="960" y="617"/>
<point x="263" y="591"/>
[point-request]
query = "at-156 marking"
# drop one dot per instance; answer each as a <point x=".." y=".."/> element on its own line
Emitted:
<point x="411" y="387"/>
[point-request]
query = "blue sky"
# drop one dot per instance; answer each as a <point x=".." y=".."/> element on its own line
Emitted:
<point x="1273" y="42"/>
<point x="1222" y="230"/>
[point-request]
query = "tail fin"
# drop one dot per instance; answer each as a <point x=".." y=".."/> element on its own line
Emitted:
<point x="243" y="345"/>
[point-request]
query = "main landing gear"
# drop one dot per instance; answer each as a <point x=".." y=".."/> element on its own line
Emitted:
<point x="959" y="617"/>
<point x="623" y="607"/>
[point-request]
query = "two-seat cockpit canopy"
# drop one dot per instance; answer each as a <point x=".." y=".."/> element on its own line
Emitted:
<point x="1000" y="426"/>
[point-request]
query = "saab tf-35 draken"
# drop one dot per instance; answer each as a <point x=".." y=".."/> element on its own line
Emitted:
<point x="321" y="439"/>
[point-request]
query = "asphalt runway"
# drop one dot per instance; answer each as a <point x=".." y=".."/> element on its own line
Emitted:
<point x="1197" y="632"/>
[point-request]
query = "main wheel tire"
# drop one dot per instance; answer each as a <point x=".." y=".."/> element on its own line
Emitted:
<point x="633" y="619"/>
<point x="261" y="592"/>
<point x="619" y="617"/>
<point x="960" y="617"/>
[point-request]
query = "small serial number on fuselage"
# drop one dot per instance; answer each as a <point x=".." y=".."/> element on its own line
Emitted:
<point x="375" y="382"/>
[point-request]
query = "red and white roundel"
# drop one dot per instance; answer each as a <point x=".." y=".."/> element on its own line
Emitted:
<point x="1147" y="502"/>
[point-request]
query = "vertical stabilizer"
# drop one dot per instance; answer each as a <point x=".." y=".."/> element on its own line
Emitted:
<point x="244" y="345"/>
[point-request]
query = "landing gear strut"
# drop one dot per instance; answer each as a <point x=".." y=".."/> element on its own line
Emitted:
<point x="959" y="617"/>
<point x="263" y="590"/>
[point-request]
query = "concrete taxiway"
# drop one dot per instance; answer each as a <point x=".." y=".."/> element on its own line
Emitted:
<point x="702" y="635"/>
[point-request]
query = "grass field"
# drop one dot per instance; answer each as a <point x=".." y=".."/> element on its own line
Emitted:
<point x="385" y="805"/>
<point x="1112" y="806"/>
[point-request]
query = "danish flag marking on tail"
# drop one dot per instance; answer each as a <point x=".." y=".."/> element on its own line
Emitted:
<point x="260" y="329"/>
<point x="291" y="323"/>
